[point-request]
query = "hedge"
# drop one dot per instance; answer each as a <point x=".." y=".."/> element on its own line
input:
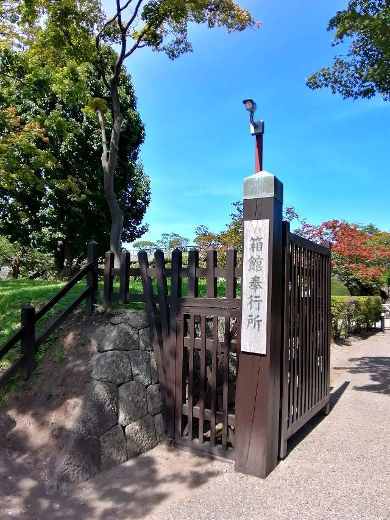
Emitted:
<point x="354" y="313"/>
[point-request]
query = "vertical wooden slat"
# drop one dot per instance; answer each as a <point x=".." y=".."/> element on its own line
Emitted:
<point x="322" y="308"/>
<point x="307" y="330"/>
<point x="211" y="258"/>
<point x="303" y="329"/>
<point x="296" y="332"/>
<point x="315" y="350"/>
<point x="202" y="377"/>
<point x="155" y="330"/>
<point x="162" y="290"/>
<point x="225" y="391"/>
<point x="328" y="321"/>
<point x="176" y="291"/>
<point x="300" y="335"/>
<point x="286" y="334"/>
<point x="124" y="277"/>
<point x="318" y="326"/>
<point x="325" y="319"/>
<point x="179" y="378"/>
<point x="291" y="334"/>
<point x="214" y="380"/>
<point x="231" y="281"/>
<point x="193" y="262"/>
<point x="313" y="331"/>
<point x="191" y="376"/>
<point x="108" y="278"/>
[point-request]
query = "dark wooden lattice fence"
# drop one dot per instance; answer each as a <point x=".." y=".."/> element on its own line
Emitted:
<point x="306" y="344"/>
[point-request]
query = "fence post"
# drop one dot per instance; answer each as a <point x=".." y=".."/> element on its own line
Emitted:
<point x="259" y="375"/>
<point x="109" y="261"/>
<point x="92" y="280"/>
<point x="124" y="277"/>
<point x="28" y="339"/>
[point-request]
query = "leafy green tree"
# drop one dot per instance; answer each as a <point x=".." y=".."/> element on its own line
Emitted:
<point x="27" y="261"/>
<point x="51" y="189"/>
<point x="206" y="239"/>
<point x="364" y="70"/>
<point x="170" y="241"/>
<point x="69" y="33"/>
<point x="145" y="245"/>
<point x="178" y="242"/>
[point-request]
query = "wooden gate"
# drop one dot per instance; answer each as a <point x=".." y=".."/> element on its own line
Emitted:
<point x="194" y="309"/>
<point x="307" y="329"/>
<point x="196" y="339"/>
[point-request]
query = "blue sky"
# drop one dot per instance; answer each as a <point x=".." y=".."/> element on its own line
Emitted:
<point x="331" y="154"/>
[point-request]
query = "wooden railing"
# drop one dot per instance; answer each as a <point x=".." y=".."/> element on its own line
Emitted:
<point x="29" y="319"/>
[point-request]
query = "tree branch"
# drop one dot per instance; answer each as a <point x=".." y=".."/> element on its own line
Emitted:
<point x="136" y="9"/>
<point x="119" y="13"/>
<point x="137" y="43"/>
<point x="111" y="20"/>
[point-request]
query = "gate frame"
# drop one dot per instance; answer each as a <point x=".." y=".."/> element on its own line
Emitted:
<point x="260" y="432"/>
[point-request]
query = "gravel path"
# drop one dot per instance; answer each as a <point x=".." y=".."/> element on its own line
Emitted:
<point x="338" y="467"/>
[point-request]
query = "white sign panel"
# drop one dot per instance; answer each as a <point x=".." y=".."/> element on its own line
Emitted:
<point x="255" y="287"/>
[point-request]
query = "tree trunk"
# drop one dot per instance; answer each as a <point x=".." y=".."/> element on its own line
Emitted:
<point x="109" y="163"/>
<point x="63" y="258"/>
<point x="15" y="268"/>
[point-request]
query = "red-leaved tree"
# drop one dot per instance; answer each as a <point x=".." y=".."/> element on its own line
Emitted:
<point x="360" y="254"/>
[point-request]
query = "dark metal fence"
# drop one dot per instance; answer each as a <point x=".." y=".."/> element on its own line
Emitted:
<point x="307" y="332"/>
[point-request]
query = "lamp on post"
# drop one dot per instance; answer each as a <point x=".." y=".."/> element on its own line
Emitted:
<point x="256" y="129"/>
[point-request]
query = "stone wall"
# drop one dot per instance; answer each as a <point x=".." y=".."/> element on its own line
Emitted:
<point x="121" y="414"/>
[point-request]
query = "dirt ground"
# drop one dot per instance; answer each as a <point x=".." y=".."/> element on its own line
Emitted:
<point x="35" y="427"/>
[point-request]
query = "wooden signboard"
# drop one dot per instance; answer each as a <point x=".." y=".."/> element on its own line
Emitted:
<point x="255" y="287"/>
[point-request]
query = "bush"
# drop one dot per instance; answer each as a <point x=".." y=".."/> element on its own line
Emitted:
<point x="339" y="289"/>
<point x="354" y="314"/>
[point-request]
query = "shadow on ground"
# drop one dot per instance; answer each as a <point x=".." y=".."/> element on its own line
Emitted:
<point x="35" y="426"/>
<point x="378" y="369"/>
<point x="301" y="434"/>
<point x="132" y="490"/>
<point x="349" y="340"/>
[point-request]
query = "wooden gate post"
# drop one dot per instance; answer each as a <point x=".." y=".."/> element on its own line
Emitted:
<point x="258" y="383"/>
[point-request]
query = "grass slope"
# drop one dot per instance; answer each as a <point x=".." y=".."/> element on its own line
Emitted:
<point x="339" y="289"/>
<point x="14" y="293"/>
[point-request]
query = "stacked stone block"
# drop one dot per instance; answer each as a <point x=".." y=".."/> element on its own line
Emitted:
<point x="122" y="409"/>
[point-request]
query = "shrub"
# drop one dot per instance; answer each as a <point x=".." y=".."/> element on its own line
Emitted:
<point x="354" y="314"/>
